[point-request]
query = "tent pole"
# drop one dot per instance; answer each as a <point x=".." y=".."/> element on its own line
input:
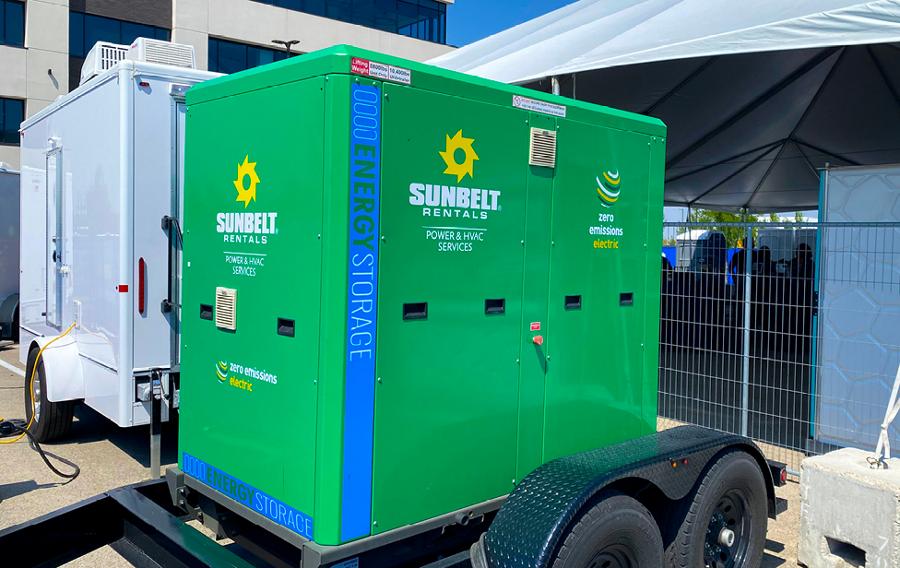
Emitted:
<point x="554" y="85"/>
<point x="745" y="359"/>
<point x="574" y="85"/>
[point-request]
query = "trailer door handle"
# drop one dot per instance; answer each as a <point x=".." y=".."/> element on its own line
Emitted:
<point x="168" y="223"/>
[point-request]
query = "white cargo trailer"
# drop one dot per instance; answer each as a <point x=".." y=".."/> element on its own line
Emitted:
<point x="100" y="243"/>
<point x="9" y="253"/>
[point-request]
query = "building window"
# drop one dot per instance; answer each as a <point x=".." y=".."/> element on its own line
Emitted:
<point x="230" y="56"/>
<point x="87" y="29"/>
<point x="12" y="24"/>
<point x="12" y="113"/>
<point x="421" y="19"/>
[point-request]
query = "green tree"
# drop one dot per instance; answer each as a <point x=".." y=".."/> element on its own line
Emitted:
<point x="734" y="236"/>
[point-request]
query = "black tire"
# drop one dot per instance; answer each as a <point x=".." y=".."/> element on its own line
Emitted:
<point x="617" y="532"/>
<point x="731" y="496"/>
<point x="53" y="418"/>
<point x="14" y="332"/>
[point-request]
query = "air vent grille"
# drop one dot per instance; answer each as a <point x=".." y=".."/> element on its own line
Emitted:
<point x="226" y="308"/>
<point x="101" y="57"/>
<point x="162" y="52"/>
<point x="543" y="148"/>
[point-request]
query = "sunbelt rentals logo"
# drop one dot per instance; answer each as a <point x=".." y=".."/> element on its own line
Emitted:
<point x="452" y="200"/>
<point x="246" y="227"/>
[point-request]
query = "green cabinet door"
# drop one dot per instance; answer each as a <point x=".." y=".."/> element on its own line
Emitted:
<point x="450" y="304"/>
<point x="597" y="299"/>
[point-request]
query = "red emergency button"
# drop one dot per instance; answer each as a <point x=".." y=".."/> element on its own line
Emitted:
<point x="538" y="339"/>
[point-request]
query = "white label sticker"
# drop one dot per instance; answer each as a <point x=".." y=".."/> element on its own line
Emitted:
<point x="535" y="105"/>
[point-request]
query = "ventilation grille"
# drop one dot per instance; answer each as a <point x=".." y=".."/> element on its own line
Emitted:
<point x="101" y="57"/>
<point x="226" y="305"/>
<point x="543" y="148"/>
<point x="162" y="52"/>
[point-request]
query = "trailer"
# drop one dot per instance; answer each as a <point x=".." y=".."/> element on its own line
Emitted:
<point x="421" y="315"/>
<point x="9" y="254"/>
<point x="100" y="216"/>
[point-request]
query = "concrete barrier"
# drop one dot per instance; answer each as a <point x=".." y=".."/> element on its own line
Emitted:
<point x="849" y="512"/>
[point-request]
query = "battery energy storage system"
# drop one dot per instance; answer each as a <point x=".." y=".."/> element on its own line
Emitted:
<point x="406" y="288"/>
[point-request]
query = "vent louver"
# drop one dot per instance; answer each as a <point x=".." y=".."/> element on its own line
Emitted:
<point x="543" y="148"/>
<point x="162" y="52"/>
<point x="226" y="308"/>
<point x="101" y="57"/>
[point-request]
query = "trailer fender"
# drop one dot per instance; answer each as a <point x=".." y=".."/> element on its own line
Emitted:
<point x="529" y="527"/>
<point x="62" y="367"/>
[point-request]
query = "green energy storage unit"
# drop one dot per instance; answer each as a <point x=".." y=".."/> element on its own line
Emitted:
<point x="405" y="288"/>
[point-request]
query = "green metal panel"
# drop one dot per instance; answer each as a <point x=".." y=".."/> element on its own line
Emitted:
<point x="250" y="395"/>
<point x="445" y="434"/>
<point x="596" y="378"/>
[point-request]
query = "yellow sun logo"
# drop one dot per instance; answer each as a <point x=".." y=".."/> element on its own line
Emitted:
<point x="248" y="170"/>
<point x="454" y="168"/>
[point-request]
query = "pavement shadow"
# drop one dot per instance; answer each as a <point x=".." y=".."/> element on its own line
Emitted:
<point x="769" y="561"/>
<point x="90" y="426"/>
<point x="10" y="490"/>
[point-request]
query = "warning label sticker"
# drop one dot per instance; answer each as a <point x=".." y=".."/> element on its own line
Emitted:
<point x="535" y="105"/>
<point x="380" y="71"/>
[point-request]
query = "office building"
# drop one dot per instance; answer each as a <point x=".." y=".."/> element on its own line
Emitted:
<point x="43" y="42"/>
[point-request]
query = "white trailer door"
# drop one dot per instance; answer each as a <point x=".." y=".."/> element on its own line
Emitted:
<point x="159" y="151"/>
<point x="54" y="249"/>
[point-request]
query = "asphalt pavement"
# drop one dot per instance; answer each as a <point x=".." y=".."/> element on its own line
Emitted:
<point x="111" y="457"/>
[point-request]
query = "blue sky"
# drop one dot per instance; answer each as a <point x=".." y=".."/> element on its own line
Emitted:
<point x="471" y="20"/>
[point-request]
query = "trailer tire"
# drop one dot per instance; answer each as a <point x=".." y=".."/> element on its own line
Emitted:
<point x="53" y="418"/>
<point x="732" y="496"/>
<point x="617" y="531"/>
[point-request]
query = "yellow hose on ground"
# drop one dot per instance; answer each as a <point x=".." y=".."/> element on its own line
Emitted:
<point x="31" y="383"/>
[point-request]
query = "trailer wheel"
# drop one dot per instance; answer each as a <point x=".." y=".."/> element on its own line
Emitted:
<point x="617" y="532"/>
<point x="724" y="524"/>
<point x="51" y="419"/>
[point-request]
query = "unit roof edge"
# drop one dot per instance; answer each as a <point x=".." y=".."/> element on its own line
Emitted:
<point x="337" y="60"/>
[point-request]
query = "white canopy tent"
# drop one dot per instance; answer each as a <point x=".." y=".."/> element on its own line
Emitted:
<point x="757" y="94"/>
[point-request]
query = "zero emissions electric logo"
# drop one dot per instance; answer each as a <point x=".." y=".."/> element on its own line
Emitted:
<point x="243" y="377"/>
<point x="608" y="187"/>
<point x="222" y="371"/>
<point x="245" y="227"/>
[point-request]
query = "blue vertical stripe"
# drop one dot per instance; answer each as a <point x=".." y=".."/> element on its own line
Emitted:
<point x="362" y="286"/>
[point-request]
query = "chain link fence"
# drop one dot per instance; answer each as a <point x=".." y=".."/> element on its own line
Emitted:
<point x="795" y="343"/>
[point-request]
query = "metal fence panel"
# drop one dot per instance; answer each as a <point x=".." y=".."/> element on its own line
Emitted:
<point x="760" y="344"/>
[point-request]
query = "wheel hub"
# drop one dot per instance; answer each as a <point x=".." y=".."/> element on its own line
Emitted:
<point x="726" y="539"/>
<point x="36" y="398"/>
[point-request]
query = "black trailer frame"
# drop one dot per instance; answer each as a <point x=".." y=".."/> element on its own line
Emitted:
<point x="147" y="522"/>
